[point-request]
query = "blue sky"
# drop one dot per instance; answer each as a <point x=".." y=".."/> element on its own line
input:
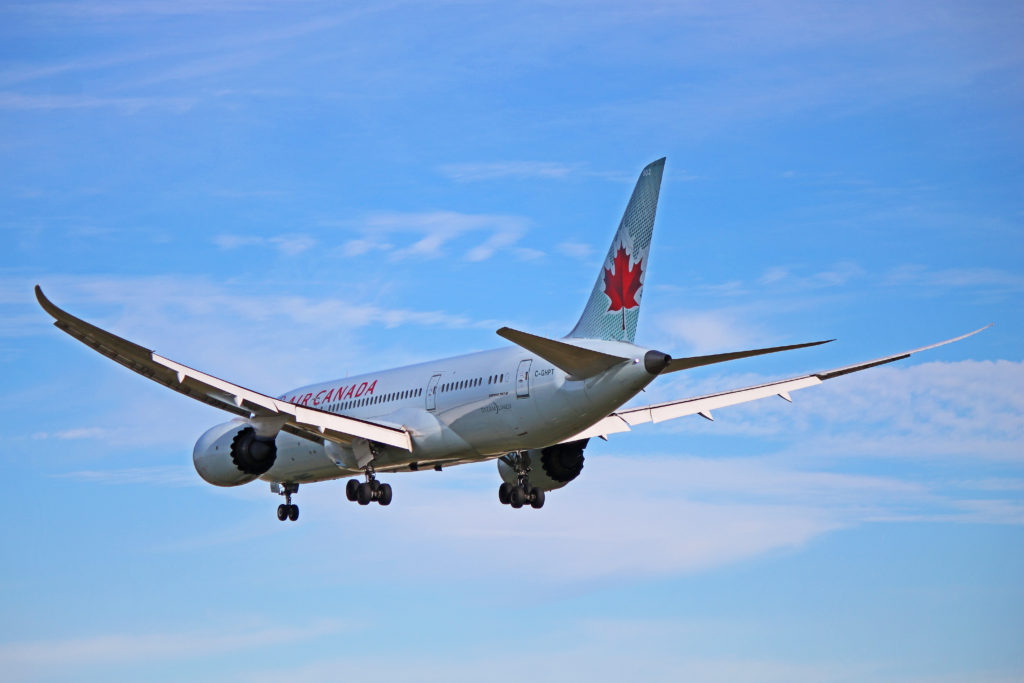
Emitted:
<point x="284" y="192"/>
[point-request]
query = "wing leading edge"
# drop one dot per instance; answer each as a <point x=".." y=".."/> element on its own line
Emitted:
<point x="624" y="420"/>
<point x="310" y="423"/>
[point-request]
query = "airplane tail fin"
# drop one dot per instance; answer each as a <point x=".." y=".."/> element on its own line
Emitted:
<point x="614" y="304"/>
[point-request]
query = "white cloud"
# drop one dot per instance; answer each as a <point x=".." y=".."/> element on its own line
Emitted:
<point x="701" y="332"/>
<point x="594" y="650"/>
<point x="528" y="254"/>
<point x="79" y="433"/>
<point x="955" y="278"/>
<point x="21" y="659"/>
<point x="576" y="250"/>
<point x="23" y="102"/>
<point x="937" y="410"/>
<point x="507" y="169"/>
<point x="837" y="275"/>
<point x="290" y="244"/>
<point x="170" y="475"/>
<point x="205" y="324"/>
<point x="672" y="514"/>
<point x="358" y="247"/>
<point x="436" y="230"/>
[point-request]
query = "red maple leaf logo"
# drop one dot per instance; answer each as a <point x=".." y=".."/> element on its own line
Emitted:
<point x="622" y="285"/>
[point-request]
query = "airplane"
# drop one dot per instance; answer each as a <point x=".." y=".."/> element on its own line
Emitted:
<point x="532" y="406"/>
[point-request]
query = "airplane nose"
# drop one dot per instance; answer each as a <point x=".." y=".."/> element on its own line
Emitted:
<point x="656" y="361"/>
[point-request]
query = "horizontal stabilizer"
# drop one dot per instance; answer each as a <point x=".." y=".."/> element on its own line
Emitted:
<point x="577" y="362"/>
<point x="696" y="361"/>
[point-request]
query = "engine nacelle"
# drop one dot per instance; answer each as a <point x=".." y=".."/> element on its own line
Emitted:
<point x="231" y="454"/>
<point x="550" y="468"/>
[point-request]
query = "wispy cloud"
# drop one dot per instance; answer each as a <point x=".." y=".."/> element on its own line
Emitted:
<point x="930" y="411"/>
<point x="991" y="279"/>
<point x="25" y="102"/>
<point x="690" y="514"/>
<point x="577" y="250"/>
<point x="700" y="332"/>
<point x="162" y="476"/>
<point x="181" y="316"/>
<point x="37" y="657"/>
<point x="74" y="434"/>
<point x="288" y="244"/>
<point x="657" y="650"/>
<point x="782" y="277"/>
<point x="435" y="230"/>
<point x="508" y="169"/>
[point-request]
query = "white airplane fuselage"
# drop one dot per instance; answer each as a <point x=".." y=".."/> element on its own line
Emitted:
<point x="461" y="409"/>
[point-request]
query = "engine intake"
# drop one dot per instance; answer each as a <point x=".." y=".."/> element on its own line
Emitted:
<point x="251" y="454"/>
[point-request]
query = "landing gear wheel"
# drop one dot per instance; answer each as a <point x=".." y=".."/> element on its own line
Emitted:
<point x="293" y="512"/>
<point x="282" y="512"/>
<point x="365" y="493"/>
<point x="384" y="494"/>
<point x="368" y="491"/>
<point x="517" y="497"/>
<point x="522" y="492"/>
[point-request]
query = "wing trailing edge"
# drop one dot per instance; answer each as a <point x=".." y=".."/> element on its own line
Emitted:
<point x="310" y="423"/>
<point x="624" y="420"/>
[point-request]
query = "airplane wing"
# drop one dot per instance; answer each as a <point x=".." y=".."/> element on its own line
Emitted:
<point x="624" y="420"/>
<point x="309" y="423"/>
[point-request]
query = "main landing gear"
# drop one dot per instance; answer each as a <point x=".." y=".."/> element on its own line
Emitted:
<point x="520" y="494"/>
<point x="286" y="511"/>
<point x="368" y="491"/>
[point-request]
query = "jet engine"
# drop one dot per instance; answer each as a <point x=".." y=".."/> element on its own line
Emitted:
<point x="231" y="454"/>
<point x="550" y="468"/>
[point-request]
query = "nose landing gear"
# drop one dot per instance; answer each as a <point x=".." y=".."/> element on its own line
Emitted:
<point x="520" y="494"/>
<point x="369" y="491"/>
<point x="287" y="510"/>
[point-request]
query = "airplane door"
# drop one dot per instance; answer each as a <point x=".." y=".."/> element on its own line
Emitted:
<point x="432" y="392"/>
<point x="523" y="378"/>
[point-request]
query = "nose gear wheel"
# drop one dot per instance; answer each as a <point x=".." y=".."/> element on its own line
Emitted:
<point x="286" y="511"/>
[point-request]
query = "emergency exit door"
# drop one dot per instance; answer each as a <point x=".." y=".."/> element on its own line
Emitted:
<point x="432" y="392"/>
<point x="523" y="378"/>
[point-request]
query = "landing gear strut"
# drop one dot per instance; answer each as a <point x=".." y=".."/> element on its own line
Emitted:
<point x="520" y="494"/>
<point x="286" y="511"/>
<point x="368" y="491"/>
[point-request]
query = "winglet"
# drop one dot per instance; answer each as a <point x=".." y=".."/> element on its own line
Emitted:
<point x="89" y="334"/>
<point x="838" y="372"/>
<point x="47" y="305"/>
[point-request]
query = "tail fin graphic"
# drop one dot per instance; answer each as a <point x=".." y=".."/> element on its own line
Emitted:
<point x="614" y="304"/>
